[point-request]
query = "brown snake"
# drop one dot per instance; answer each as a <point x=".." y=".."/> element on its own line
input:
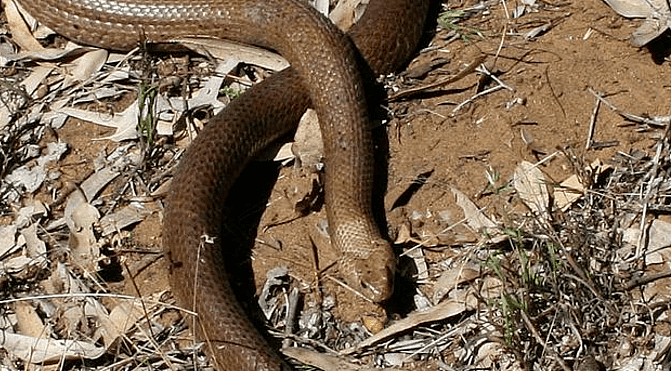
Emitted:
<point x="324" y="62"/>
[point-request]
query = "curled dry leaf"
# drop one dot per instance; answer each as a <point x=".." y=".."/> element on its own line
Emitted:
<point x="80" y="217"/>
<point x="476" y="218"/>
<point x="115" y="325"/>
<point x="452" y="278"/>
<point x="532" y="187"/>
<point x="40" y="350"/>
<point x="29" y="322"/>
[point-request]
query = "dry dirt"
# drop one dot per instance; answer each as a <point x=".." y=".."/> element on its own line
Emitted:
<point x="433" y="145"/>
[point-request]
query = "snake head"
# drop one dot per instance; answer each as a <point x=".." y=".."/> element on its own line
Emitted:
<point x="371" y="272"/>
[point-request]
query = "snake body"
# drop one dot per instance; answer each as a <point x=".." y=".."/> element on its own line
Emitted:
<point x="323" y="74"/>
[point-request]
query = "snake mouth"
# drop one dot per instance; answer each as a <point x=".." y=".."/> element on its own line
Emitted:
<point x="378" y="285"/>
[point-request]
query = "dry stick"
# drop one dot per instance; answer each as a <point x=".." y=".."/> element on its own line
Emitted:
<point x="483" y="70"/>
<point x="536" y="335"/>
<point x="505" y="9"/>
<point x="139" y="293"/>
<point x="640" y="281"/>
<point x="448" y="80"/>
<point x="592" y="124"/>
<point x="151" y="336"/>
<point x="648" y="194"/>
<point x="348" y="287"/>
<point x="657" y="122"/>
<point x="554" y="95"/>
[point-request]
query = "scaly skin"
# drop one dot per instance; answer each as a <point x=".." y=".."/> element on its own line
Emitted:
<point x="324" y="75"/>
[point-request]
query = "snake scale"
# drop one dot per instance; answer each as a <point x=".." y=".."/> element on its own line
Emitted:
<point x="324" y="74"/>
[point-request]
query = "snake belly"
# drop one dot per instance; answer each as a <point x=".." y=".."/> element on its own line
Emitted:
<point x="323" y="74"/>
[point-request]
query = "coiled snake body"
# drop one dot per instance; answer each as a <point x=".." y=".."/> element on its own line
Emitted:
<point x="323" y="74"/>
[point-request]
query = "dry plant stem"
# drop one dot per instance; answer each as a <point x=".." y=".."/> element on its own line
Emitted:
<point x="537" y="336"/>
<point x="324" y="65"/>
<point x="554" y="95"/>
<point x="404" y="94"/>
<point x="592" y="125"/>
<point x="644" y="280"/>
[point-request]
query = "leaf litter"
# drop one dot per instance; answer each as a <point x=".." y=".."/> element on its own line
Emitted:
<point x="578" y="276"/>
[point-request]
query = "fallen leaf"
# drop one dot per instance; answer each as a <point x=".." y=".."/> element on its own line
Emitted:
<point x="38" y="350"/>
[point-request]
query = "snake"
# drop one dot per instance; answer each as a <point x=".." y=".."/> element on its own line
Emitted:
<point x="324" y="74"/>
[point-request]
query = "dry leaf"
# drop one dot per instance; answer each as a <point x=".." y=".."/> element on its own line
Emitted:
<point x="438" y="312"/>
<point x="123" y="217"/>
<point x="80" y="217"/>
<point x="475" y="218"/>
<point x="85" y="66"/>
<point x="36" y="350"/>
<point x="450" y="279"/>
<point x="20" y="32"/>
<point x="568" y="192"/>
<point x="531" y="185"/>
<point x="308" y="145"/>
<point x="124" y="122"/>
<point x="29" y="322"/>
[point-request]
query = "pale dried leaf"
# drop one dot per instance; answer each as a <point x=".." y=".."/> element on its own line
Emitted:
<point x="123" y="217"/>
<point x="347" y="12"/>
<point x="474" y="217"/>
<point x="7" y="240"/>
<point x="531" y="185"/>
<point x="403" y="235"/>
<point x="71" y="317"/>
<point x="438" y="312"/>
<point x="122" y="318"/>
<point x="634" y="8"/>
<point x="80" y="217"/>
<point x="658" y="247"/>
<point x="31" y="178"/>
<point x="227" y="50"/>
<point x="124" y="122"/>
<point x="491" y="288"/>
<point x="36" y="350"/>
<point x="569" y="191"/>
<point x="488" y="354"/>
<point x="450" y="279"/>
<point x="323" y="361"/>
<point x="17" y="264"/>
<point x="208" y="94"/>
<point x="35" y="248"/>
<point x="27" y="213"/>
<point x="35" y="78"/>
<point x="121" y="158"/>
<point x="85" y="66"/>
<point x="657" y="16"/>
<point x="308" y="145"/>
<point x="29" y="322"/>
<point x="20" y="32"/>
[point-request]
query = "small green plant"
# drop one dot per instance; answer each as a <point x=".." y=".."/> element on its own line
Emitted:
<point x="147" y="120"/>
<point x="554" y="259"/>
<point x="493" y="262"/>
<point x="230" y="92"/>
<point x="493" y="177"/>
<point x="450" y="19"/>
<point x="514" y="296"/>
